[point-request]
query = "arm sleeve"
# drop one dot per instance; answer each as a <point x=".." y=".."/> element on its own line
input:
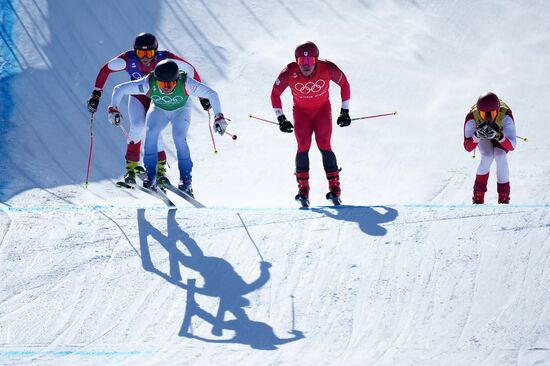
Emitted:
<point x="134" y="87"/>
<point x="185" y="66"/>
<point x="340" y="79"/>
<point x="115" y="65"/>
<point x="508" y="140"/>
<point x="197" y="89"/>
<point x="470" y="141"/>
<point x="278" y="88"/>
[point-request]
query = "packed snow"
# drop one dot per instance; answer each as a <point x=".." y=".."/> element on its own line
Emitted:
<point x="406" y="272"/>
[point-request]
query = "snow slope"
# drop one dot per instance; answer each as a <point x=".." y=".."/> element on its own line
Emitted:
<point x="408" y="274"/>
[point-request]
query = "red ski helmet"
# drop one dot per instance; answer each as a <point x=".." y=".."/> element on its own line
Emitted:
<point x="308" y="49"/>
<point x="488" y="102"/>
<point x="488" y="106"/>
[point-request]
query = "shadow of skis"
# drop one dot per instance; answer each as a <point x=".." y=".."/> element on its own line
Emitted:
<point x="220" y="281"/>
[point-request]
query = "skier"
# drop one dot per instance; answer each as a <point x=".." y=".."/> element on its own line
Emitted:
<point x="169" y="89"/>
<point x="308" y="79"/>
<point x="137" y="63"/>
<point x="490" y="127"/>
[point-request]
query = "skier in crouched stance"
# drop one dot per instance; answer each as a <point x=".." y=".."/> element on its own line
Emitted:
<point x="490" y="127"/>
<point x="169" y="89"/>
<point x="138" y="62"/>
<point x="308" y="79"/>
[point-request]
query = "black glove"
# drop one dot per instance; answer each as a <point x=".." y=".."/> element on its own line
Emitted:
<point x="284" y="124"/>
<point x="495" y="127"/>
<point x="488" y="131"/>
<point x="93" y="101"/>
<point x="205" y="103"/>
<point x="481" y="131"/>
<point x="344" y="119"/>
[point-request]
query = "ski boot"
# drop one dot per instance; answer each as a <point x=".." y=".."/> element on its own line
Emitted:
<point x="162" y="180"/>
<point x="480" y="187"/>
<point x="503" y="190"/>
<point x="131" y="170"/>
<point x="185" y="186"/>
<point x="149" y="183"/>
<point x="303" y="188"/>
<point x="504" y="198"/>
<point x="478" y="198"/>
<point x="334" y="188"/>
<point x="161" y="168"/>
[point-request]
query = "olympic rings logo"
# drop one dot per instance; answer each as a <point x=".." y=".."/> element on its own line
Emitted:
<point x="310" y="87"/>
<point x="166" y="99"/>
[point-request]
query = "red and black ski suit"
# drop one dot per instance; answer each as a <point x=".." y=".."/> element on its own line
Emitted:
<point x="312" y="109"/>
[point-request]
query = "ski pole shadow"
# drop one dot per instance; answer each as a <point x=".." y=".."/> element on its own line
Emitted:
<point x="368" y="219"/>
<point x="221" y="281"/>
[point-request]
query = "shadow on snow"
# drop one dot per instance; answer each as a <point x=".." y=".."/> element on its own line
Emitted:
<point x="367" y="217"/>
<point x="220" y="281"/>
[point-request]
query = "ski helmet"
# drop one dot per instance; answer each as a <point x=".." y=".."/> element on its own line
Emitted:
<point x="167" y="70"/>
<point x="488" y="102"/>
<point x="145" y="41"/>
<point x="308" y="49"/>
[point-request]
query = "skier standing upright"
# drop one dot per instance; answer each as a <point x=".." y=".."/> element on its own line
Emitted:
<point x="169" y="89"/>
<point x="138" y="62"/>
<point x="308" y="79"/>
<point x="490" y="127"/>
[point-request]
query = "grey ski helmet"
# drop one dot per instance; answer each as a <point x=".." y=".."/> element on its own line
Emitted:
<point x="167" y="70"/>
<point x="145" y="41"/>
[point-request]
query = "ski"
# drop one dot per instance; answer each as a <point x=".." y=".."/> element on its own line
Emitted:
<point x="336" y="201"/>
<point x="155" y="193"/>
<point x="122" y="184"/>
<point x="158" y="193"/>
<point x="169" y="186"/>
<point x="303" y="200"/>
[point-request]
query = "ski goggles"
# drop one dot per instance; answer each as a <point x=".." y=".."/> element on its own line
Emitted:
<point x="167" y="84"/>
<point x="491" y="115"/>
<point x="306" y="61"/>
<point x="145" y="53"/>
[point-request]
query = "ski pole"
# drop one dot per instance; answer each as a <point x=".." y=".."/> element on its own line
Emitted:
<point x="522" y="138"/>
<point x="261" y="119"/>
<point x="211" y="133"/>
<point x="125" y="132"/>
<point x="91" y="149"/>
<point x="375" y="116"/>
<point x="234" y="137"/>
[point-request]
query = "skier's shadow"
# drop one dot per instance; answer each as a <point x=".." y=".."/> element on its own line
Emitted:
<point x="366" y="217"/>
<point x="220" y="281"/>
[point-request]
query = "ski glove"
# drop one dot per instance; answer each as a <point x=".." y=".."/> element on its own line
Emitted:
<point x="220" y="125"/>
<point x="344" y="119"/>
<point x="284" y="124"/>
<point x="488" y="131"/>
<point x="93" y="101"/>
<point x="115" y="117"/>
<point x="205" y="103"/>
<point x="498" y="130"/>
